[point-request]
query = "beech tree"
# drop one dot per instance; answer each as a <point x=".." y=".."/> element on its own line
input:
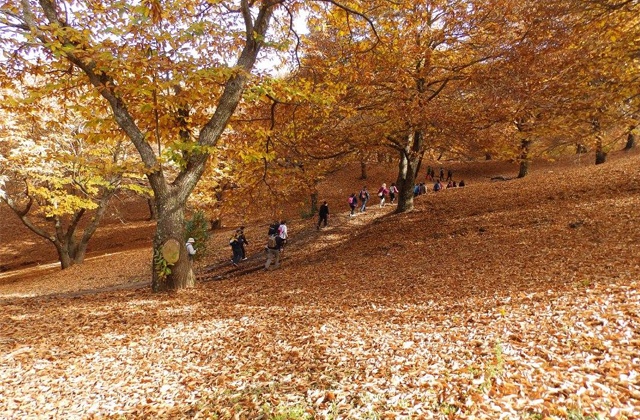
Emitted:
<point x="400" y="84"/>
<point x="54" y="175"/>
<point x="172" y="74"/>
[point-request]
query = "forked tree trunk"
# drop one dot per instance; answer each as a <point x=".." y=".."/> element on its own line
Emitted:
<point x="410" y="160"/>
<point x="524" y="158"/>
<point x="170" y="225"/>
<point x="69" y="249"/>
<point x="631" y="141"/>
<point x="63" y="256"/>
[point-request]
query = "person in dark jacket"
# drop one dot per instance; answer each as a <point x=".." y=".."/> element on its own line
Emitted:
<point x="323" y="214"/>
<point x="274" y="247"/>
<point x="236" y="247"/>
<point x="243" y="242"/>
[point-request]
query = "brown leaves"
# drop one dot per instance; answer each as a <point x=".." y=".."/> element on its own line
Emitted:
<point x="529" y="319"/>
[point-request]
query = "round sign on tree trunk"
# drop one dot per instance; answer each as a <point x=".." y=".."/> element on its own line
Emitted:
<point x="171" y="251"/>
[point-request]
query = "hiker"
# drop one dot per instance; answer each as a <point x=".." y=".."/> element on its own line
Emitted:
<point x="364" y="197"/>
<point x="449" y="175"/>
<point x="274" y="248"/>
<point x="382" y="193"/>
<point x="283" y="233"/>
<point x="423" y="188"/>
<point x="273" y="228"/>
<point x="441" y="174"/>
<point x="429" y="176"/>
<point x="450" y="184"/>
<point x="243" y="242"/>
<point x="416" y="190"/>
<point x="353" y="203"/>
<point x="437" y="186"/>
<point x="393" y="190"/>
<point x="461" y="184"/>
<point x="236" y="247"/>
<point x="323" y="214"/>
<point x="191" y="251"/>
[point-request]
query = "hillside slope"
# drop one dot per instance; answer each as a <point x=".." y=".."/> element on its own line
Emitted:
<point x="516" y="299"/>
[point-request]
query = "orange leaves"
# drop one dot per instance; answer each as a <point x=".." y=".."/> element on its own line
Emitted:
<point x="376" y="316"/>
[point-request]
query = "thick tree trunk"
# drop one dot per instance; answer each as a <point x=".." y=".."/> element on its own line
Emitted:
<point x="63" y="255"/>
<point x="314" y="203"/>
<point x="631" y="141"/>
<point x="601" y="155"/>
<point x="170" y="225"/>
<point x="524" y="158"/>
<point x="410" y="160"/>
<point x="363" y="169"/>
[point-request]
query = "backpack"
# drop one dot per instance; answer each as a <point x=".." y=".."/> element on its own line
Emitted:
<point x="273" y="229"/>
<point x="351" y="200"/>
<point x="271" y="242"/>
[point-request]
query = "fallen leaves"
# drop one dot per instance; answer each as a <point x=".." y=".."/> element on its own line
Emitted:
<point x="528" y="319"/>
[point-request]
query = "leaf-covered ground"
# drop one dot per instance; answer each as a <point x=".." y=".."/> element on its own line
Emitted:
<point x="514" y="300"/>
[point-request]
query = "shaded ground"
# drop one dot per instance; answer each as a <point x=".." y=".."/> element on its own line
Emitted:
<point x="516" y="299"/>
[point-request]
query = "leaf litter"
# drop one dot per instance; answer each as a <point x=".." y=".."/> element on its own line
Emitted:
<point x="499" y="300"/>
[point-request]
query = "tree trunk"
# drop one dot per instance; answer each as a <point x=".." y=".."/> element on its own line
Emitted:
<point x="152" y="209"/>
<point x="63" y="255"/>
<point x="314" y="203"/>
<point x="410" y="160"/>
<point x="363" y="169"/>
<point x="524" y="158"/>
<point x="601" y="155"/>
<point x="170" y="225"/>
<point x="631" y="141"/>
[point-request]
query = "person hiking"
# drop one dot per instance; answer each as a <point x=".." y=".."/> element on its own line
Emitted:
<point x="429" y="176"/>
<point x="236" y="247"/>
<point x="274" y="249"/>
<point x="243" y="242"/>
<point x="437" y="186"/>
<point x="393" y="190"/>
<point x="441" y="174"/>
<point x="353" y="203"/>
<point x="323" y="214"/>
<point x="382" y="193"/>
<point x="364" y="197"/>
<point x="449" y="175"/>
<point x="283" y="233"/>
<point x="191" y="251"/>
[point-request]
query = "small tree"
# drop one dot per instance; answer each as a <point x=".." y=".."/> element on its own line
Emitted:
<point x="53" y="176"/>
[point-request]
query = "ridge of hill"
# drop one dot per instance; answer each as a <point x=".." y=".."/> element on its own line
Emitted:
<point x="510" y="299"/>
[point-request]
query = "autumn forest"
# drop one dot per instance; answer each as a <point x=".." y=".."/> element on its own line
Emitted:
<point x="127" y="127"/>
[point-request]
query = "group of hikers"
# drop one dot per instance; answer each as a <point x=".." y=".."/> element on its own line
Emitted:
<point x="278" y="232"/>
<point x="276" y="240"/>
<point x="362" y="198"/>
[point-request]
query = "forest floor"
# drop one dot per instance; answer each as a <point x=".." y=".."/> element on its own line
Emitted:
<point x="517" y="299"/>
